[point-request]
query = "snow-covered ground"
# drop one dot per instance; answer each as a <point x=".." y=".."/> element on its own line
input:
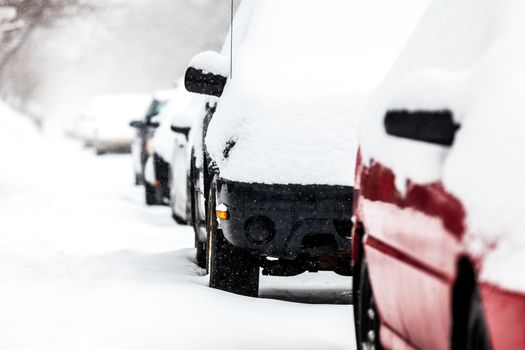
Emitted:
<point x="84" y="264"/>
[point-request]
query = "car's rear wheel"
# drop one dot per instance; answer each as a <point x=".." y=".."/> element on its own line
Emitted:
<point x="231" y="269"/>
<point x="150" y="194"/>
<point x="366" y="316"/>
<point x="202" y="254"/>
<point x="477" y="334"/>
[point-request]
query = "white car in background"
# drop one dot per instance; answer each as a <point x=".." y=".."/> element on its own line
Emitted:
<point x="111" y="116"/>
<point x="145" y="127"/>
<point x="168" y="165"/>
<point x="189" y="109"/>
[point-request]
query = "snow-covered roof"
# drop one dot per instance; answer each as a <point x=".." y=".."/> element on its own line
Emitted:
<point x="474" y="67"/>
<point x="302" y="69"/>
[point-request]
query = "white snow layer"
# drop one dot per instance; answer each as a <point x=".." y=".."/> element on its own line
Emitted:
<point x="86" y="265"/>
<point x="473" y="65"/>
<point x="302" y="70"/>
<point x="112" y="114"/>
<point x="211" y="62"/>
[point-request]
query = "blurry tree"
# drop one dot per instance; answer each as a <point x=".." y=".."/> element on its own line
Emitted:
<point x="19" y="18"/>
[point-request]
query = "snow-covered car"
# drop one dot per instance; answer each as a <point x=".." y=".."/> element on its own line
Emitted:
<point x="439" y="243"/>
<point x="197" y="184"/>
<point x="283" y="138"/>
<point x="188" y="109"/>
<point x="142" y="146"/>
<point x="83" y="129"/>
<point x="171" y="135"/>
<point x="112" y="115"/>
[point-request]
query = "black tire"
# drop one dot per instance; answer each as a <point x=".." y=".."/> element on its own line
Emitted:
<point x="366" y="317"/>
<point x="150" y="194"/>
<point x="202" y="254"/>
<point x="231" y="269"/>
<point x="177" y="218"/>
<point x="477" y="333"/>
<point x="138" y="180"/>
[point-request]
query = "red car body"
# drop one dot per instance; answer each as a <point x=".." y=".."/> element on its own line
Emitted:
<point x="413" y="244"/>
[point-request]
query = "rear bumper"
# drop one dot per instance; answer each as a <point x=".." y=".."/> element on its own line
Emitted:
<point x="297" y="220"/>
<point x="113" y="146"/>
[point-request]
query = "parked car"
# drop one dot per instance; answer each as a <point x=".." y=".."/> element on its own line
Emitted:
<point x="438" y="240"/>
<point x="171" y="135"/>
<point x="111" y="115"/>
<point x="198" y="186"/>
<point x="283" y="136"/>
<point x="189" y="109"/>
<point x="83" y="129"/>
<point x="142" y="146"/>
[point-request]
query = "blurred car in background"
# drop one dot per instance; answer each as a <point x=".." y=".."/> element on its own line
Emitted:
<point x="189" y="109"/>
<point x="438" y="241"/>
<point x="82" y="129"/>
<point x="142" y="146"/>
<point x="112" y="115"/>
<point x="171" y="135"/>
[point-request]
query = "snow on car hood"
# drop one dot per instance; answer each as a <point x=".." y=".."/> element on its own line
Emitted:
<point x="290" y="112"/>
<point x="473" y="66"/>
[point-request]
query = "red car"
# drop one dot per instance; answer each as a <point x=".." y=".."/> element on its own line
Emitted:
<point x="439" y="223"/>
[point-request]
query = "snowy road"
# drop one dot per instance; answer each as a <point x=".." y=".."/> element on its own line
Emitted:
<point x="85" y="265"/>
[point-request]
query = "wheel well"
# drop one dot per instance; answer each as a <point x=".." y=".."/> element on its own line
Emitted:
<point x="461" y="294"/>
<point x="357" y="246"/>
<point x="357" y="255"/>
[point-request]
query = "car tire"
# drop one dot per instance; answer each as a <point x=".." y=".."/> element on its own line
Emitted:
<point x="366" y="317"/>
<point x="177" y="218"/>
<point x="138" y="180"/>
<point x="477" y="333"/>
<point x="150" y="194"/>
<point x="231" y="269"/>
<point x="202" y="254"/>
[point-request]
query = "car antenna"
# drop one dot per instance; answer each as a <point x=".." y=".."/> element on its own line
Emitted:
<point x="231" y="40"/>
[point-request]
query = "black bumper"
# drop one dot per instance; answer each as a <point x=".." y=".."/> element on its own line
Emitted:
<point x="287" y="221"/>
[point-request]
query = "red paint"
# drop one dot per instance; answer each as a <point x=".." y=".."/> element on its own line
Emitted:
<point x="378" y="184"/>
<point x="412" y="242"/>
<point x="394" y="253"/>
<point x="504" y="313"/>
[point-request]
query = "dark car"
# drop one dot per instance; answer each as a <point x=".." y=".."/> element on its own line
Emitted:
<point x="264" y="193"/>
<point x="142" y="146"/>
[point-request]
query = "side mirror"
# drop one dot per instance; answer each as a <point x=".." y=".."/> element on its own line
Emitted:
<point x="181" y="130"/>
<point x="437" y="127"/>
<point x="138" y="124"/>
<point x="207" y="74"/>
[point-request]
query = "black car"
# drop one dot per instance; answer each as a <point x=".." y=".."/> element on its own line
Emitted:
<point x="242" y="226"/>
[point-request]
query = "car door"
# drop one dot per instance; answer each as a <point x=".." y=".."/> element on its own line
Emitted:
<point x="413" y="229"/>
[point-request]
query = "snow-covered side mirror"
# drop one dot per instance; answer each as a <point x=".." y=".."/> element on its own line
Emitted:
<point x="207" y="74"/>
<point x="181" y="130"/>
<point x="137" y="124"/>
<point x="437" y="127"/>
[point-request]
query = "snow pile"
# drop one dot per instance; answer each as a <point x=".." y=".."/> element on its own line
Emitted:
<point x="112" y="114"/>
<point x="180" y="112"/>
<point x="473" y="66"/>
<point x="211" y="62"/>
<point x="86" y="265"/>
<point x="292" y="106"/>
